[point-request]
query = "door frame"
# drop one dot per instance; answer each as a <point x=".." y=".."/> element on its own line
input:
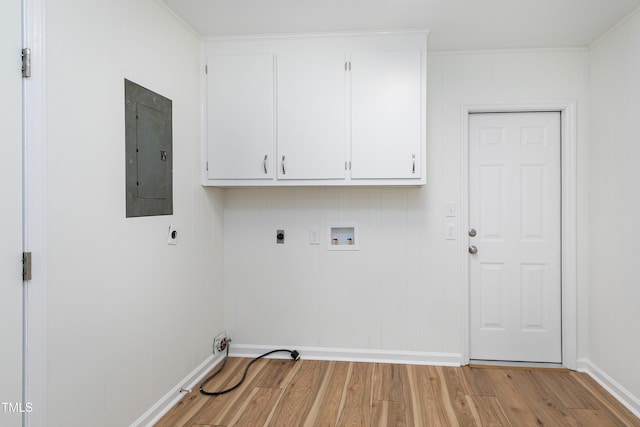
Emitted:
<point x="34" y="216"/>
<point x="567" y="110"/>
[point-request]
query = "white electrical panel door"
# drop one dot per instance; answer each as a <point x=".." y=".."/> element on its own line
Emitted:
<point x="240" y="116"/>
<point x="386" y="114"/>
<point x="311" y="116"/>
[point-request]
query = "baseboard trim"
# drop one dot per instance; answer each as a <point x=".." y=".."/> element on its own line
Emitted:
<point x="623" y="395"/>
<point x="169" y="400"/>
<point x="352" y="355"/>
<point x="530" y="366"/>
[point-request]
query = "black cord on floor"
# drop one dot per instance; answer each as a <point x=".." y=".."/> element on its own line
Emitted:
<point x="294" y="355"/>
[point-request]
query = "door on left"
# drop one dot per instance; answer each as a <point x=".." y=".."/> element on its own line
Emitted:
<point x="11" y="218"/>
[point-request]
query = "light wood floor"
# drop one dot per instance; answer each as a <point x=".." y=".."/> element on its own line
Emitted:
<point x="320" y="393"/>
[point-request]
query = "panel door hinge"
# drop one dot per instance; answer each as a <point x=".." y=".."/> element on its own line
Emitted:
<point x="26" y="62"/>
<point x="206" y="69"/>
<point x="347" y="165"/>
<point x="26" y="266"/>
<point x="347" y="66"/>
<point x="206" y="166"/>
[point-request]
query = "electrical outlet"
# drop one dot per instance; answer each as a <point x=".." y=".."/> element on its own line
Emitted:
<point x="450" y="210"/>
<point x="220" y="343"/>
<point x="172" y="238"/>
<point x="450" y="231"/>
<point x="314" y="237"/>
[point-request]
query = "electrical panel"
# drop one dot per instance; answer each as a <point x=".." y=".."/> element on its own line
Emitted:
<point x="149" y="141"/>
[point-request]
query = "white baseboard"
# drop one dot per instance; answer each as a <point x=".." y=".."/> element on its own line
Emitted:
<point x="352" y="355"/>
<point x="612" y="386"/>
<point x="168" y="401"/>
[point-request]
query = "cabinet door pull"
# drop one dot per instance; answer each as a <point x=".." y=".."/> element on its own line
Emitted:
<point x="413" y="160"/>
<point x="284" y="169"/>
<point x="264" y="164"/>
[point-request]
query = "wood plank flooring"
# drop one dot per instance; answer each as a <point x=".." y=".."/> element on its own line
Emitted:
<point x="323" y="393"/>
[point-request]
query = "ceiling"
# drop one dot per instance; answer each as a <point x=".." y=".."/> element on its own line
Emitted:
<point x="454" y="24"/>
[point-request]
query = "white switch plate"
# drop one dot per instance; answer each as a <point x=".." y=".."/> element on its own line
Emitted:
<point x="314" y="237"/>
<point x="172" y="238"/>
<point x="450" y="231"/>
<point x="450" y="210"/>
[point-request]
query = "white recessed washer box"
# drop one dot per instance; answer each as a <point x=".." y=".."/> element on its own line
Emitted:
<point x="343" y="237"/>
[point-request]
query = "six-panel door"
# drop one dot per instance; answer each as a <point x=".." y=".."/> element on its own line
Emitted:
<point x="514" y="208"/>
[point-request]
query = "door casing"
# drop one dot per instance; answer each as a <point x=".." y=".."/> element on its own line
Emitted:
<point x="35" y="208"/>
<point x="567" y="111"/>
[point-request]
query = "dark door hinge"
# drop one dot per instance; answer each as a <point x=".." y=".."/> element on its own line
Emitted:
<point x="26" y="62"/>
<point x="26" y="266"/>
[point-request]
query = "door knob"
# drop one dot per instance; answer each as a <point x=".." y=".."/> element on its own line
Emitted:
<point x="472" y="232"/>
<point x="473" y="250"/>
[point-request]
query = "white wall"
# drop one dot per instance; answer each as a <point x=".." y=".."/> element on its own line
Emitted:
<point x="127" y="315"/>
<point x="614" y="206"/>
<point x="403" y="290"/>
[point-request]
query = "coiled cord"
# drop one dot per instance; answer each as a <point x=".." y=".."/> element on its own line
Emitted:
<point x="294" y="355"/>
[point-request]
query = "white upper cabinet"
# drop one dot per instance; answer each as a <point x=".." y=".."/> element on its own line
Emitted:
<point x="311" y="116"/>
<point x="343" y="109"/>
<point x="385" y="114"/>
<point x="240" y="113"/>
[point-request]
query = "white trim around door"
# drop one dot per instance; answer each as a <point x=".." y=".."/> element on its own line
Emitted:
<point x="35" y="224"/>
<point x="567" y="111"/>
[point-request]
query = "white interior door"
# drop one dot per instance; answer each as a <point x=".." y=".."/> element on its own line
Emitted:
<point x="11" y="215"/>
<point x="515" y="210"/>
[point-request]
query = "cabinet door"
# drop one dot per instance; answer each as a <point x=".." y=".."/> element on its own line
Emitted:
<point x="386" y="114"/>
<point x="311" y="116"/>
<point x="240" y="132"/>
